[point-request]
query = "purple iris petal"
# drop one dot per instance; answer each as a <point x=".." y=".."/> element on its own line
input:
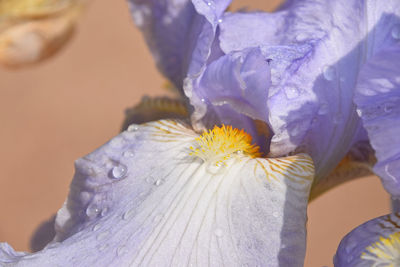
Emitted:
<point x="143" y="199"/>
<point x="235" y="89"/>
<point x="178" y="32"/>
<point x="378" y="101"/>
<point x="353" y="249"/>
<point x="317" y="50"/>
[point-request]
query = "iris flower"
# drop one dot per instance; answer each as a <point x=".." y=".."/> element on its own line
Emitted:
<point x="278" y="103"/>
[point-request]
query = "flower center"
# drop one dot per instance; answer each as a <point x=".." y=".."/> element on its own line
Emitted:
<point x="385" y="252"/>
<point x="221" y="143"/>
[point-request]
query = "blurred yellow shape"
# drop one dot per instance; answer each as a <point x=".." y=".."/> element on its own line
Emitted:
<point x="33" y="30"/>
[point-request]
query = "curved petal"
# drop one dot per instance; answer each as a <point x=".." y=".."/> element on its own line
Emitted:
<point x="178" y="32"/>
<point x="143" y="199"/>
<point x="317" y="49"/>
<point x="235" y="90"/>
<point x="374" y="243"/>
<point x="378" y="102"/>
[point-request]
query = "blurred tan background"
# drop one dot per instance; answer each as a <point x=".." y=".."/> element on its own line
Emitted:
<point x="55" y="112"/>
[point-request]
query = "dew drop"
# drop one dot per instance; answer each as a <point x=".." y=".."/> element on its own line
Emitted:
<point x="104" y="212"/>
<point x="396" y="32"/>
<point x="119" y="171"/>
<point x="329" y="73"/>
<point x="165" y="128"/>
<point x="96" y="227"/>
<point x="323" y="108"/>
<point x="129" y="214"/>
<point x="218" y="232"/>
<point x="133" y="128"/>
<point x="85" y="197"/>
<point x="301" y="37"/>
<point x="116" y="142"/>
<point x="220" y="21"/>
<point x="209" y="3"/>
<point x="291" y="92"/>
<point x="388" y="108"/>
<point x="159" y="182"/>
<point x="92" y="211"/>
<point x="128" y="154"/>
<point x="103" y="247"/>
<point x="121" y="250"/>
<point x="275" y="214"/>
<point x="337" y="118"/>
<point x="102" y="235"/>
<point x="359" y="112"/>
<point x="150" y="180"/>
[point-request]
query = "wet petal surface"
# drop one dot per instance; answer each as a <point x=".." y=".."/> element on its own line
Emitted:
<point x="143" y="199"/>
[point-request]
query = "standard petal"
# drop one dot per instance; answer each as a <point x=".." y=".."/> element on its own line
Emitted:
<point x="378" y="102"/>
<point x="235" y="90"/>
<point x="374" y="243"/>
<point x="143" y="199"/>
<point x="179" y="32"/>
<point x="317" y="49"/>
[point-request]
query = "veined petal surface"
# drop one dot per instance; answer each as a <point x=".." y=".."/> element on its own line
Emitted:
<point x="316" y="49"/>
<point x="378" y="102"/>
<point x="143" y="199"/>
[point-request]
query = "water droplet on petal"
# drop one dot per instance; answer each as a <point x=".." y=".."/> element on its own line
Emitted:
<point x="215" y="167"/>
<point x="119" y="171"/>
<point x="275" y="214"/>
<point x="104" y="212"/>
<point x="128" y="154"/>
<point x="337" y="118"/>
<point x="301" y="37"/>
<point x="218" y="232"/>
<point x="121" y="250"/>
<point x="92" y="211"/>
<point x="85" y="197"/>
<point x="329" y="73"/>
<point x="291" y="92"/>
<point x="359" y="112"/>
<point x="388" y="108"/>
<point x="220" y="20"/>
<point x="323" y="108"/>
<point x="103" y="247"/>
<point x="396" y="32"/>
<point x="133" y="128"/>
<point x="159" y="182"/>
<point x="165" y="128"/>
<point x="150" y="180"/>
<point x="96" y="227"/>
<point x="116" y="142"/>
<point x="129" y="214"/>
<point x="102" y="235"/>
